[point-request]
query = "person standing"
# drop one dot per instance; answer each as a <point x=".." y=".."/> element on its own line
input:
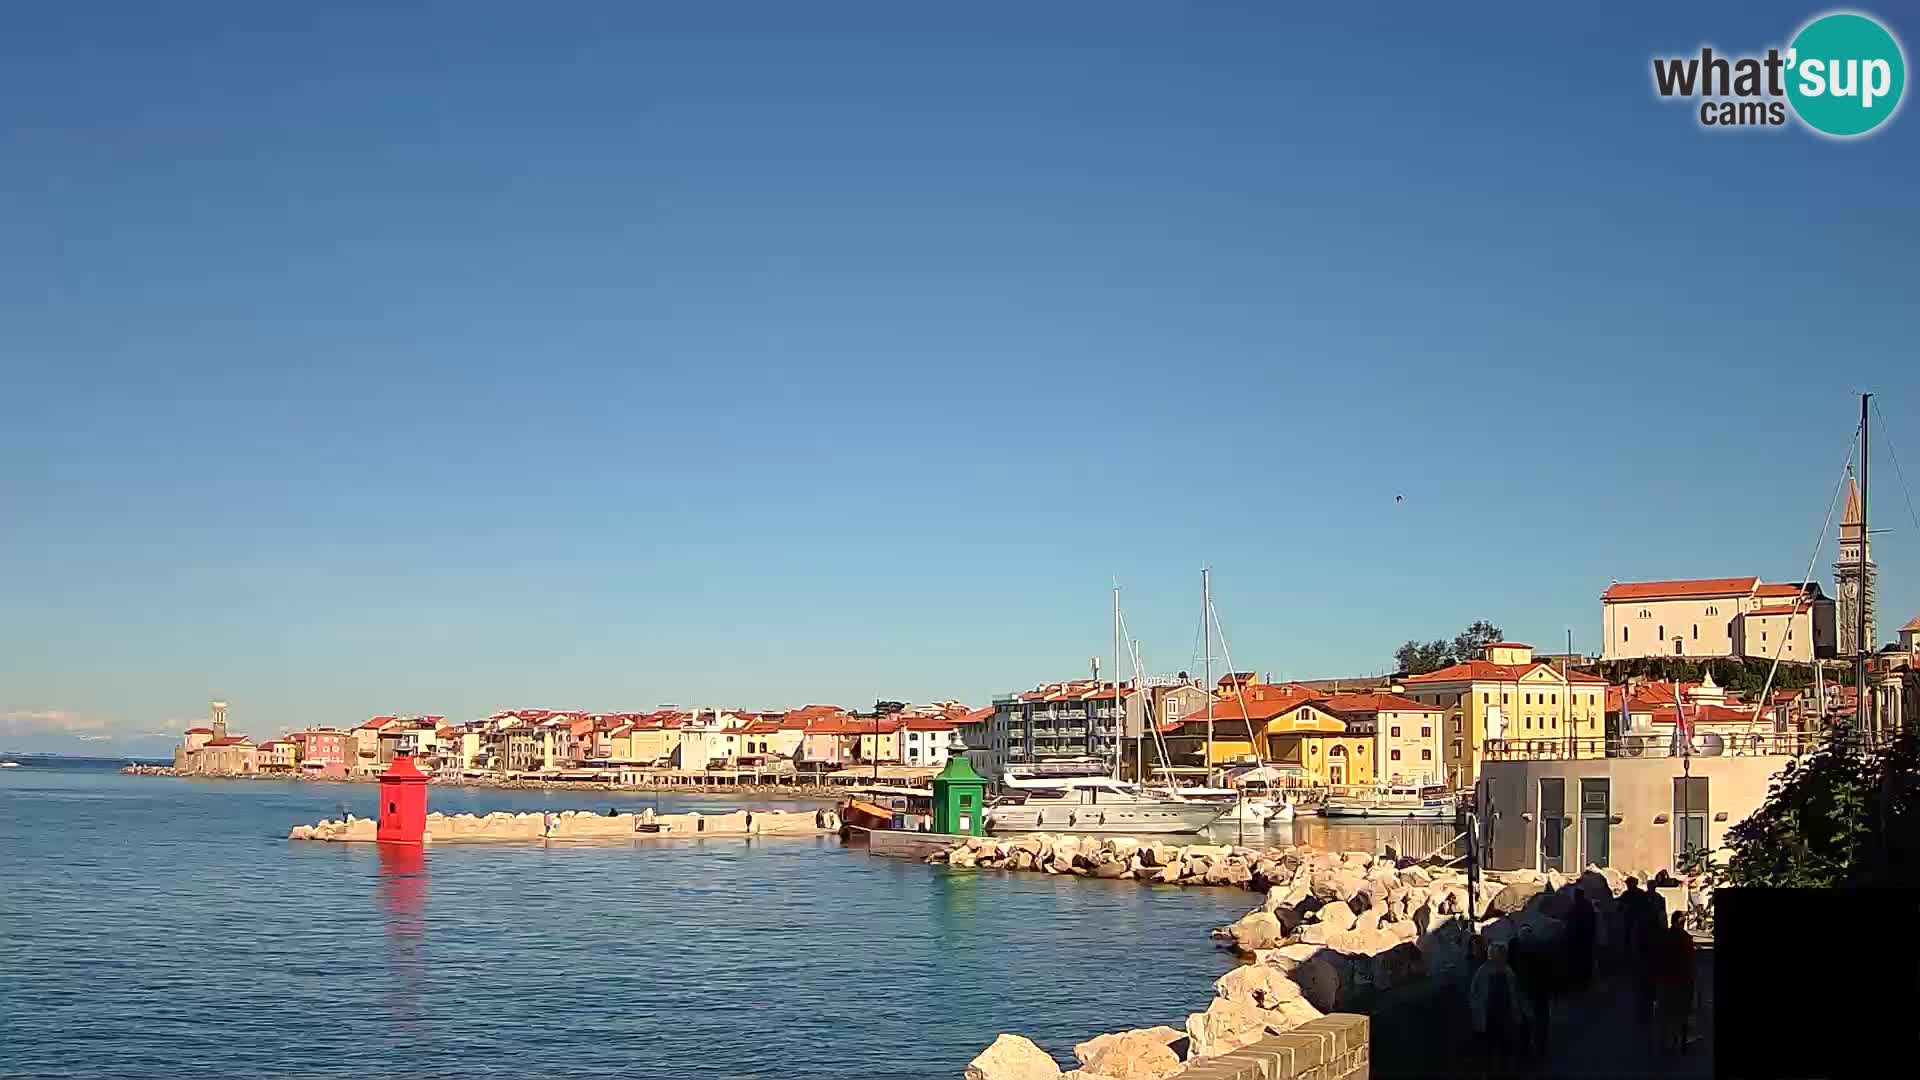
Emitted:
<point x="1580" y="935"/>
<point x="1673" y="986"/>
<point x="1499" y="1011"/>
<point x="1537" y="968"/>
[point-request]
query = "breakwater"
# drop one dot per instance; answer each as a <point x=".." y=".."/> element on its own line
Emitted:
<point x="504" y="827"/>
<point x="1333" y="932"/>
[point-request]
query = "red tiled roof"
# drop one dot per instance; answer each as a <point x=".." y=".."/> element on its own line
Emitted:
<point x="1913" y="625"/>
<point x="1373" y="703"/>
<point x="1777" y="590"/>
<point x="232" y="740"/>
<point x="1488" y="671"/>
<point x="376" y="723"/>
<point x="929" y="723"/>
<point x="1260" y="701"/>
<point x="986" y="711"/>
<point x="1674" y="590"/>
<point x="763" y="727"/>
<point x="199" y="731"/>
<point x="1704" y="714"/>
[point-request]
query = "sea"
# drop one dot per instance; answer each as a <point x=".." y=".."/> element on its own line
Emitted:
<point x="160" y="927"/>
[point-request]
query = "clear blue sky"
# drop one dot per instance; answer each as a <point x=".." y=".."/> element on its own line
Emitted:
<point x="467" y="356"/>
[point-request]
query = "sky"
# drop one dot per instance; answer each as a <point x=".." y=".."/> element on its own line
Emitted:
<point x="442" y="358"/>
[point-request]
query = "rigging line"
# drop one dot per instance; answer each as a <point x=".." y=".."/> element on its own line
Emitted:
<point x="1846" y="469"/>
<point x="1227" y="650"/>
<point x="1895" y="455"/>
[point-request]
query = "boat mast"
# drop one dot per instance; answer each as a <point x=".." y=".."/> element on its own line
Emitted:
<point x="1862" y="714"/>
<point x="1206" y="647"/>
<point x="1119" y="719"/>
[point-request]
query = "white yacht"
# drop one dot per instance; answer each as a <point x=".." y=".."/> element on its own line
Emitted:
<point x="1393" y="801"/>
<point x="1097" y="805"/>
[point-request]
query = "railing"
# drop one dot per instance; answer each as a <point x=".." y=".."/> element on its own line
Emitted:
<point x="1769" y="744"/>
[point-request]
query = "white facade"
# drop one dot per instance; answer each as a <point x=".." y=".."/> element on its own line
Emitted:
<point x="1713" y="619"/>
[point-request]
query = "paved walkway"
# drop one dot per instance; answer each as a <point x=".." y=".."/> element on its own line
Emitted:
<point x="1422" y="1031"/>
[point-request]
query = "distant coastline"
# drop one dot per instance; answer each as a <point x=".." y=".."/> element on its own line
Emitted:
<point x="815" y="792"/>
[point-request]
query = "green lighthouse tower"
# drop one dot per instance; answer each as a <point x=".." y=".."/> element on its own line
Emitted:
<point x="958" y="797"/>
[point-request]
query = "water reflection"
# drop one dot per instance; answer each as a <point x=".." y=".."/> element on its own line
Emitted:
<point x="402" y="886"/>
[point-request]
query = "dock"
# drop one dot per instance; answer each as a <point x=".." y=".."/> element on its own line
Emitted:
<point x="901" y="844"/>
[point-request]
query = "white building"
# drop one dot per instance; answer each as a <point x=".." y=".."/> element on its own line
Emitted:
<point x="1712" y="618"/>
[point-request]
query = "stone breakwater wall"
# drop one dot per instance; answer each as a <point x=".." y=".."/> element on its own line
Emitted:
<point x="1332" y="931"/>
<point x="504" y="827"/>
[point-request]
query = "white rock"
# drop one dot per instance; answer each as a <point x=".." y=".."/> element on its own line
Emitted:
<point x="1013" y="1057"/>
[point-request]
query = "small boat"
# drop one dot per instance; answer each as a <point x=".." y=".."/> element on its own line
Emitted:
<point x="9" y="764"/>
<point x="1392" y="801"/>
<point x="883" y="807"/>
<point x="1099" y="805"/>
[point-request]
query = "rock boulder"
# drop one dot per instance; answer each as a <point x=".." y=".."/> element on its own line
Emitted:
<point x="1013" y="1057"/>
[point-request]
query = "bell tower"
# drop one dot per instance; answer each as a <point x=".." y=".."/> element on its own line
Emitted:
<point x="1853" y="577"/>
<point x="217" y="718"/>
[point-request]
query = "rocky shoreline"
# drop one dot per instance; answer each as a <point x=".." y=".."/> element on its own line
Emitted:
<point x="504" y="827"/>
<point x="1334" y="930"/>
<point x="819" y="792"/>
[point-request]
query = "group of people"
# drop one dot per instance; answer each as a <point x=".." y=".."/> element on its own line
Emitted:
<point x="1660" y="948"/>
<point x="1514" y="984"/>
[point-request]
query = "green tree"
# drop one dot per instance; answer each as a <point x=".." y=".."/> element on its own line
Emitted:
<point x="1420" y="657"/>
<point x="1847" y="814"/>
<point x="1474" y="640"/>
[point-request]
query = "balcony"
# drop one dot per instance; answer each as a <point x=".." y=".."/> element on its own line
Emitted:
<point x="1075" y="732"/>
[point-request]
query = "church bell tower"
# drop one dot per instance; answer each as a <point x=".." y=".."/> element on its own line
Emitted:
<point x="1853" y="577"/>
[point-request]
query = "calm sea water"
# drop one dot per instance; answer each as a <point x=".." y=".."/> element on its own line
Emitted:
<point x="159" y="927"/>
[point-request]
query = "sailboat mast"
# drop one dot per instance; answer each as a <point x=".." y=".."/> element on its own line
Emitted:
<point x="1117" y="715"/>
<point x="1863" y="714"/>
<point x="1206" y="648"/>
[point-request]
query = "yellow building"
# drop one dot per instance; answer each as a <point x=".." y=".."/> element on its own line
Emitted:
<point x="1508" y="696"/>
<point x="1312" y="739"/>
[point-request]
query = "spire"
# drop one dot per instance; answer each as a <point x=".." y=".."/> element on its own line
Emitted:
<point x="1850" y="516"/>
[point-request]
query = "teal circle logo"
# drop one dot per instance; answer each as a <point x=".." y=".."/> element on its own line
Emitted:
<point x="1845" y="74"/>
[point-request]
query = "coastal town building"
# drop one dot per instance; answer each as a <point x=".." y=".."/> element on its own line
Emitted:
<point x="1072" y="721"/>
<point x="927" y="741"/>
<point x="211" y="751"/>
<point x="1509" y="695"/>
<point x="1406" y="734"/>
<point x="1716" y="618"/>
<point x="276" y="756"/>
<point x="321" y="753"/>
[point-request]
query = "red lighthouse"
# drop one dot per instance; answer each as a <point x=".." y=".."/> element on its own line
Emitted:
<point x="403" y="803"/>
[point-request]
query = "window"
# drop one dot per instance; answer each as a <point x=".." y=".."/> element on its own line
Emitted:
<point x="1696" y="631"/>
<point x="1763" y="635"/>
<point x="1689" y="816"/>
<point x="1456" y="725"/>
<point x="1553" y="824"/>
<point x="1503" y="697"/>
<point x="1596" y="825"/>
<point x="1529" y="699"/>
<point x="1645" y="614"/>
<point x="1660" y="631"/>
<point x="1426" y="731"/>
<point x="966" y="800"/>
<point x="1396" y="731"/>
<point x="1483" y="697"/>
<point x="1623" y="633"/>
<point x="1393" y="755"/>
<point x="1425" y="755"/>
<point x="1456" y="748"/>
<point x="1712" y="610"/>
<point x="1529" y="723"/>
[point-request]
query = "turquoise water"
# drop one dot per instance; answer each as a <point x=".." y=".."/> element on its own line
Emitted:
<point x="160" y="927"/>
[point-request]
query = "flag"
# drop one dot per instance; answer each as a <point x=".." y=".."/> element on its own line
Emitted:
<point x="1682" y="729"/>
